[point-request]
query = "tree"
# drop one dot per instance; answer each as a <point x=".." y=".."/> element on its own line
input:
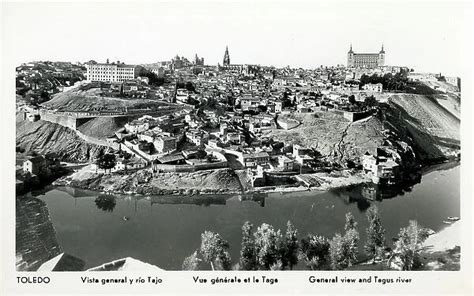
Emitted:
<point x="350" y="222"/>
<point x="343" y="249"/>
<point x="98" y="158"/>
<point x="190" y="86"/>
<point x="375" y="234"/>
<point x="247" y="252"/>
<point x="409" y="244"/>
<point x="351" y="250"/>
<point x="106" y="162"/>
<point x="370" y="102"/>
<point x="278" y="265"/>
<point x="352" y="99"/>
<point x="214" y="250"/>
<point x="201" y="154"/>
<point x="336" y="252"/>
<point x="290" y="250"/>
<point x="191" y="262"/>
<point x="267" y="246"/>
<point x="314" y="250"/>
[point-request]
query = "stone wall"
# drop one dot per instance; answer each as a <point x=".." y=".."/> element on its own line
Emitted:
<point x="61" y="119"/>
<point x="190" y="168"/>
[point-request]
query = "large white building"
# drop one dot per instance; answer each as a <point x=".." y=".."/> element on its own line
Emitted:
<point x="114" y="72"/>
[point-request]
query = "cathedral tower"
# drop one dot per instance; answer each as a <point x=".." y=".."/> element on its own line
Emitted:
<point x="350" y="58"/>
<point x="226" y="61"/>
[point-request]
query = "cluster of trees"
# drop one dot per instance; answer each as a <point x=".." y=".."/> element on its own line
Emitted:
<point x="153" y="79"/>
<point x="105" y="161"/>
<point x="369" y="102"/>
<point x="188" y="85"/>
<point x="399" y="81"/>
<point x="262" y="249"/>
<point x="269" y="249"/>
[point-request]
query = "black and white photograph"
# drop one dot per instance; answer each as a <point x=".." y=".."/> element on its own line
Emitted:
<point x="233" y="137"/>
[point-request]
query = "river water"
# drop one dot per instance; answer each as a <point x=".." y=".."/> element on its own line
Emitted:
<point x="164" y="233"/>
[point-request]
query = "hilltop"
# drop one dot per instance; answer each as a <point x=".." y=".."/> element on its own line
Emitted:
<point x="92" y="98"/>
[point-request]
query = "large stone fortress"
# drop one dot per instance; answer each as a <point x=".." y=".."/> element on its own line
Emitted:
<point x="365" y="60"/>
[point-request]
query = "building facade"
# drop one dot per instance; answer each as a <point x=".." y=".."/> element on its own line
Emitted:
<point x="365" y="60"/>
<point x="377" y="87"/>
<point x="110" y="72"/>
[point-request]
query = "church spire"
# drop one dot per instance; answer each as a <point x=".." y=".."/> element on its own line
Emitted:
<point x="350" y="50"/>
<point x="226" y="61"/>
<point x="382" y="50"/>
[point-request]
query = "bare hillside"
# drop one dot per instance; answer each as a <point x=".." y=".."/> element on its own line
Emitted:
<point x="434" y="130"/>
<point x="102" y="127"/>
<point x="44" y="137"/>
<point x="332" y="135"/>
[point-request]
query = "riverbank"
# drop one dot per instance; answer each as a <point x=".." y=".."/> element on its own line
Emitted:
<point x="219" y="181"/>
<point x="145" y="182"/>
<point x="448" y="238"/>
<point x="442" y="250"/>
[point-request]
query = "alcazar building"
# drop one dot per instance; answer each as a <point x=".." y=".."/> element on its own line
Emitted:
<point x="365" y="60"/>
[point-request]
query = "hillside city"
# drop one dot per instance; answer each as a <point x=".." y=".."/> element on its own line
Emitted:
<point x="183" y="115"/>
<point x="186" y="129"/>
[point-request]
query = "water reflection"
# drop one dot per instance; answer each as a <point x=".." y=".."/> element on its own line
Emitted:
<point x="364" y="194"/>
<point x="194" y="200"/>
<point x="105" y="202"/>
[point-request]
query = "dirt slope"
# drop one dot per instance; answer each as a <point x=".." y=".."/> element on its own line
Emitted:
<point x="334" y="136"/>
<point x="102" y="127"/>
<point x="434" y="130"/>
<point x="44" y="137"/>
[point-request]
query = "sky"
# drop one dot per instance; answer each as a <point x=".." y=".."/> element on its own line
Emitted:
<point x="427" y="36"/>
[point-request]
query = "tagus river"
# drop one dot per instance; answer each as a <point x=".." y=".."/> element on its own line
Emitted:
<point x="163" y="233"/>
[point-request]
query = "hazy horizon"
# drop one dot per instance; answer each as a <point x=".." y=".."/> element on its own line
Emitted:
<point x="429" y="37"/>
